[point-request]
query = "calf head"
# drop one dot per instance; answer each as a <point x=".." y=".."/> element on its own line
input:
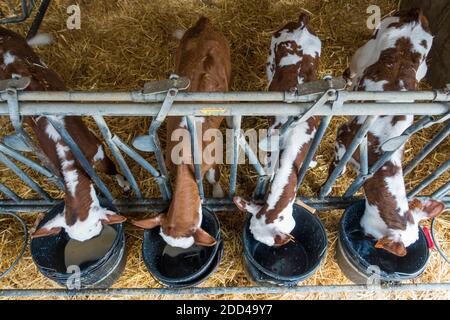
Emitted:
<point x="81" y="220"/>
<point x="396" y="241"/>
<point x="271" y="229"/>
<point x="181" y="226"/>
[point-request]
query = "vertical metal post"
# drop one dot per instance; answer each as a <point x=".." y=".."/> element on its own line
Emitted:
<point x="196" y="155"/>
<point x="312" y="149"/>
<point x="236" y="135"/>
<point x="162" y="181"/>
<point x="106" y="133"/>
<point x="326" y="189"/>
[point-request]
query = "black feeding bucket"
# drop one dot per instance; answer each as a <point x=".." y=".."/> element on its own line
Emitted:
<point x="182" y="268"/>
<point x="48" y="254"/>
<point x="291" y="263"/>
<point x="359" y="260"/>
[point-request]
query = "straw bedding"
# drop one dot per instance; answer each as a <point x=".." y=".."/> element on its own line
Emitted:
<point x="124" y="43"/>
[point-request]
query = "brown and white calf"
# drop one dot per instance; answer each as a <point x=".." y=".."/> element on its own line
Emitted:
<point x="83" y="216"/>
<point x="294" y="57"/>
<point x="394" y="59"/>
<point x="203" y="56"/>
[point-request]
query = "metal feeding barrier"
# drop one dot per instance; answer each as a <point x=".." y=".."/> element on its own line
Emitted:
<point x="325" y="99"/>
<point x="16" y="11"/>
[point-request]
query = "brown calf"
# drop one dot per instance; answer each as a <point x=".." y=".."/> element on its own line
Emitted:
<point x="204" y="57"/>
<point x="83" y="216"/>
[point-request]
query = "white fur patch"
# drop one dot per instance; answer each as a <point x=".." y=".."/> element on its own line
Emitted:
<point x="8" y="58"/>
<point x="100" y="155"/>
<point x="266" y="233"/>
<point x="124" y="184"/>
<point x="308" y="43"/>
<point x="41" y="39"/>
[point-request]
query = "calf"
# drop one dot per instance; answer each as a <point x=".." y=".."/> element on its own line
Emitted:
<point x="203" y="56"/>
<point x="82" y="216"/>
<point x="394" y="59"/>
<point x="293" y="59"/>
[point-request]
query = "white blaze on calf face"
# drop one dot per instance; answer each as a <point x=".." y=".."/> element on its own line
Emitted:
<point x="182" y="242"/>
<point x="100" y="155"/>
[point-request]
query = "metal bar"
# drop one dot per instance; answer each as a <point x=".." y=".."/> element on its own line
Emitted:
<point x="442" y="191"/>
<point x="359" y="181"/>
<point x="12" y="102"/>
<point x="428" y="180"/>
<point x="262" y="183"/>
<point x="427" y="149"/>
<point x="9" y="193"/>
<point x="225" y="290"/>
<point x="236" y="136"/>
<point x="221" y="97"/>
<point x="157" y="204"/>
<point x="262" y="109"/>
<point x="59" y="127"/>
<point x="106" y="133"/>
<point x="22" y="175"/>
<point x="196" y="154"/>
<point x="363" y="157"/>
<point x="348" y="154"/>
<point x="312" y="149"/>
<point x="160" y="180"/>
<point x="21" y="158"/>
<point x="166" y="106"/>
<point x="38" y="19"/>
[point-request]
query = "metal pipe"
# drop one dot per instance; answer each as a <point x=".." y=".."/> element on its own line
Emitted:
<point x="312" y="149"/>
<point x="21" y="158"/>
<point x="236" y="136"/>
<point x="157" y="204"/>
<point x="428" y="180"/>
<point x="262" y="109"/>
<point x="9" y="193"/>
<point x="196" y="154"/>
<point x="221" y="97"/>
<point x="427" y="149"/>
<point x="162" y="181"/>
<point x="85" y="164"/>
<point x="348" y="154"/>
<point x="360" y="179"/>
<point x="106" y="133"/>
<point x="23" y="176"/>
<point x="441" y="192"/>
<point x="225" y="290"/>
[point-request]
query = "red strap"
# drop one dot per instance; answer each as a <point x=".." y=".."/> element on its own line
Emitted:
<point x="428" y="237"/>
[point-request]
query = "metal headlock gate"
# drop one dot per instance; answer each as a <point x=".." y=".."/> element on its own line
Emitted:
<point x="324" y="98"/>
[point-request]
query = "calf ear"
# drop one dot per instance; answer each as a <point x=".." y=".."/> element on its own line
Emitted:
<point x="50" y="228"/>
<point x="432" y="208"/>
<point x="203" y="238"/>
<point x="391" y="246"/>
<point x="44" y="232"/>
<point x="113" y="218"/>
<point x="148" y="223"/>
<point x="281" y="239"/>
<point x="246" y="205"/>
